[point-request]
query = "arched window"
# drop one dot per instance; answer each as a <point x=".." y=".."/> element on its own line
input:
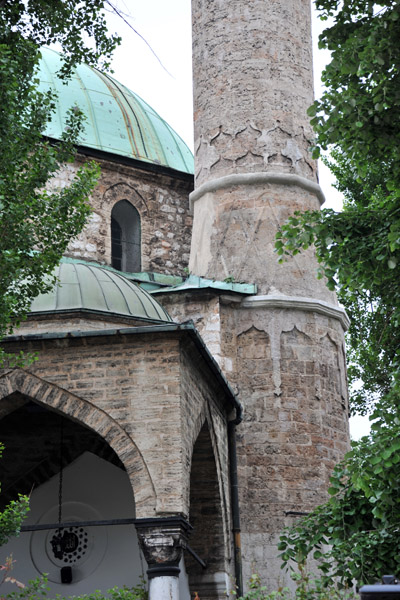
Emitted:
<point x="125" y="238"/>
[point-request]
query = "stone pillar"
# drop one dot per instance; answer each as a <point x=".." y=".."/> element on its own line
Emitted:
<point x="252" y="70"/>
<point x="162" y="541"/>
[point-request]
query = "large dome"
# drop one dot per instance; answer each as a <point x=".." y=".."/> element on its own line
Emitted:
<point x="97" y="290"/>
<point x="118" y="121"/>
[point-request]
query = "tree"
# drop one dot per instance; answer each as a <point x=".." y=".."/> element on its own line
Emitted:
<point x="12" y="516"/>
<point x="36" y="220"/>
<point x="355" y="535"/>
<point x="358" y="119"/>
<point x="10" y="525"/>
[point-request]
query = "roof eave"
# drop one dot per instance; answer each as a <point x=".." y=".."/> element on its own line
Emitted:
<point x="185" y="328"/>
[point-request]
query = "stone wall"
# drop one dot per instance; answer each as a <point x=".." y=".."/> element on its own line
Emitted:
<point x="201" y="307"/>
<point x="209" y="493"/>
<point x="288" y="369"/>
<point x="163" y="206"/>
<point x="150" y="389"/>
<point x="234" y="237"/>
<point x="64" y="323"/>
<point x="282" y="350"/>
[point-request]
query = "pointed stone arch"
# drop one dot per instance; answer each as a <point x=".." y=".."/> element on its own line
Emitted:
<point x="82" y="411"/>
<point x="207" y="518"/>
<point x="124" y="191"/>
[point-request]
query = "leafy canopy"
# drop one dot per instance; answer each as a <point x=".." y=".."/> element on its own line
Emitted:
<point x="67" y="22"/>
<point x="37" y="218"/>
<point x="358" y="119"/>
<point x="360" y="108"/>
<point x="355" y="535"/>
<point x="12" y="516"/>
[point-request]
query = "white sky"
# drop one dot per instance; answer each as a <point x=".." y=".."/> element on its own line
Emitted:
<point x="166" y="26"/>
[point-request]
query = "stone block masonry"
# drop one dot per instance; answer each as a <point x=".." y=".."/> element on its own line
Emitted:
<point x="288" y="369"/>
<point x="163" y="206"/>
<point x="148" y="389"/>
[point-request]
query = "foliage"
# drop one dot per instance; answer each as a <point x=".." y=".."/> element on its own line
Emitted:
<point x="6" y="577"/>
<point x="31" y="247"/>
<point x="37" y="220"/>
<point x="10" y="525"/>
<point x="137" y="592"/>
<point x="12" y="516"/>
<point x="358" y="117"/>
<point x="355" y="535"/>
<point x="69" y="23"/>
<point x="37" y="589"/>
<point x="307" y="588"/>
<point x="360" y="107"/>
<point x="358" y="250"/>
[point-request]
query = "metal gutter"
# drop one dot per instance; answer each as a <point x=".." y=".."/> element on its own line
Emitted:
<point x="234" y="487"/>
<point x="187" y="328"/>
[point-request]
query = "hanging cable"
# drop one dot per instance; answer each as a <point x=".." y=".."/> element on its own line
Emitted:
<point x="60" y="480"/>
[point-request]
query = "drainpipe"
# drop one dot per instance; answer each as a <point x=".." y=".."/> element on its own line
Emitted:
<point x="235" y="499"/>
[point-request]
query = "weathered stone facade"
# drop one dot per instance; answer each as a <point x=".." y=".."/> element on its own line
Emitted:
<point x="146" y="395"/>
<point x="112" y="374"/>
<point x="161" y="198"/>
<point x="154" y="395"/>
<point x="252" y="68"/>
<point x="288" y="368"/>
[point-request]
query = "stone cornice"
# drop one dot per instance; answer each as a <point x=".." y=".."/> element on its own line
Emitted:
<point x="259" y="178"/>
<point x="299" y="303"/>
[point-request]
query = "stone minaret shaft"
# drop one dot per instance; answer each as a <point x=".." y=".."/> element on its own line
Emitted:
<point x="252" y="87"/>
<point x="283" y="348"/>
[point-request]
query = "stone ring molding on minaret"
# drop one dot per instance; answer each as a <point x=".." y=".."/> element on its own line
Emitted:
<point x="259" y="178"/>
<point x="299" y="303"/>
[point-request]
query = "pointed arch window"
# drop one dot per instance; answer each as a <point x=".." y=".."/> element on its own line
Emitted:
<point x="125" y="237"/>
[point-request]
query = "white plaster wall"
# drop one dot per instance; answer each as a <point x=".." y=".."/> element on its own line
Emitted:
<point x="92" y="489"/>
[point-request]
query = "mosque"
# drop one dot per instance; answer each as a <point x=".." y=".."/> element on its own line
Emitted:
<point x="189" y="399"/>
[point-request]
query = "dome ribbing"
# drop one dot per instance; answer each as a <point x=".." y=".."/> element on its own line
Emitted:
<point x="117" y="120"/>
<point x="89" y="288"/>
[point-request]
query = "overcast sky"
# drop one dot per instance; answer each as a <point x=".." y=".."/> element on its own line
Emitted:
<point x="166" y="26"/>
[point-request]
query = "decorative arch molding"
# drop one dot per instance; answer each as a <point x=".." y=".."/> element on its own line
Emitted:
<point x="339" y="365"/>
<point x="200" y="420"/>
<point x="124" y="191"/>
<point x="205" y="419"/>
<point x="82" y="411"/>
<point x="285" y="323"/>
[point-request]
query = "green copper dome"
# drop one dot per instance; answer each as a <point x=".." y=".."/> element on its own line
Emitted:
<point x="118" y="121"/>
<point x="89" y="288"/>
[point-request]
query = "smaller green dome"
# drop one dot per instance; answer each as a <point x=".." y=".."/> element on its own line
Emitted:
<point x="89" y="288"/>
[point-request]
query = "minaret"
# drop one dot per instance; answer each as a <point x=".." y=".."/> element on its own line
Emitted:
<point x="252" y="86"/>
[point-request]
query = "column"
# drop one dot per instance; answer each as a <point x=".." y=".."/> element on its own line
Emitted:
<point x="162" y="541"/>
